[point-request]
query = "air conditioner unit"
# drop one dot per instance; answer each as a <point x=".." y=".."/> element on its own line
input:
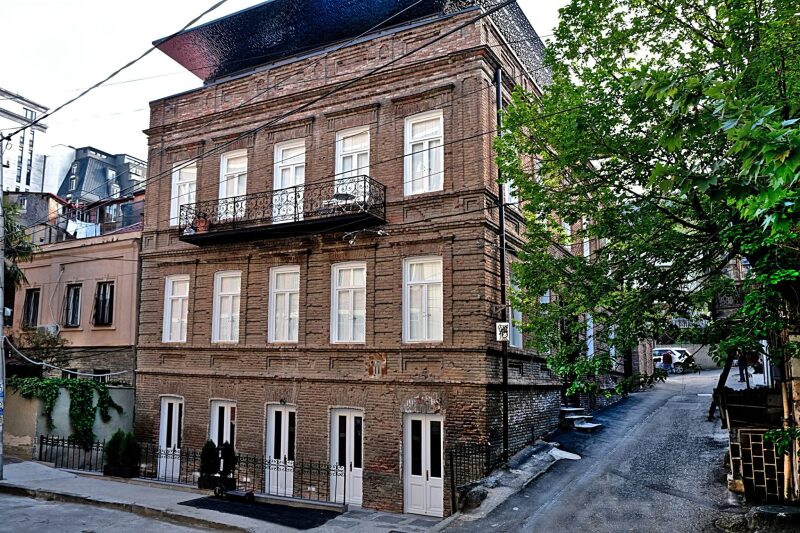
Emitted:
<point x="52" y="329"/>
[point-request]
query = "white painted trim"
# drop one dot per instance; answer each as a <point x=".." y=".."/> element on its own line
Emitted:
<point x="273" y="272"/>
<point x="406" y="326"/>
<point x="335" y="300"/>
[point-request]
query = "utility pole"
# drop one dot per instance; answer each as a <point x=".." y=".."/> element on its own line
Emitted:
<point x="502" y="221"/>
<point x="3" y="139"/>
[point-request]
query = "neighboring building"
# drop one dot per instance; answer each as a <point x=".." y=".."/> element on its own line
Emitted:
<point x="327" y="288"/>
<point x="94" y="175"/>
<point x="23" y="154"/>
<point x="42" y="214"/>
<point x="57" y="162"/>
<point x="86" y="290"/>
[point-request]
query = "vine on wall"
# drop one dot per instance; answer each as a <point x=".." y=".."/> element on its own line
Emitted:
<point x="81" y="402"/>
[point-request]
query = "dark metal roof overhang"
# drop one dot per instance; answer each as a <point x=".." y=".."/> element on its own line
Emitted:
<point x="280" y="29"/>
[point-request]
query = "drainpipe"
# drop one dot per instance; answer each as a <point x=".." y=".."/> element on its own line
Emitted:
<point x="502" y="221"/>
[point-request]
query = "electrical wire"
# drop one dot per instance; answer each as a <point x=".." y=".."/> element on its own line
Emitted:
<point x="218" y="149"/>
<point x="43" y="364"/>
<point x="113" y="74"/>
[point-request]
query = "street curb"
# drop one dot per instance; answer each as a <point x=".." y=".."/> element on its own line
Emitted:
<point x="141" y="510"/>
<point x="455" y="516"/>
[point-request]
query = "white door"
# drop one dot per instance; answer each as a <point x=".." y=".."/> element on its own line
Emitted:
<point x="290" y="176"/>
<point x="347" y="450"/>
<point x="281" y="426"/>
<point x="223" y="422"/>
<point x="423" y="464"/>
<point x="169" y="439"/>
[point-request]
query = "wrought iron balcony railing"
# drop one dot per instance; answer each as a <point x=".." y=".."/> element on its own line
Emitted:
<point x="347" y="203"/>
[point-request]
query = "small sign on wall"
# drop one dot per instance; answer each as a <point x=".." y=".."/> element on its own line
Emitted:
<point x="502" y="331"/>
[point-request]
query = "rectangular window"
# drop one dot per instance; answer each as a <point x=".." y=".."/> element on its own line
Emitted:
<point x="184" y="188"/>
<point x="424" y="153"/>
<point x="284" y="303"/>
<point x="72" y="306"/>
<point x="587" y="251"/>
<point x="233" y="175"/>
<point x="223" y="422"/>
<point x="176" y="308"/>
<point x="104" y="304"/>
<point x="511" y="193"/>
<point x="349" y="307"/>
<point x="545" y="298"/>
<point x="73" y="182"/>
<point x="100" y="375"/>
<point x="227" y="288"/>
<point x="352" y="153"/>
<point x="423" y="299"/>
<point x="589" y="336"/>
<point x="30" y="312"/>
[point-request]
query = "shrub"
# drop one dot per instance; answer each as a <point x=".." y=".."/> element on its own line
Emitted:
<point x="209" y="459"/>
<point x="129" y="451"/>
<point x="113" y="447"/>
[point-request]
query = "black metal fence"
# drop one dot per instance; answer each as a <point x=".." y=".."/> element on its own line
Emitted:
<point x="64" y="453"/>
<point x="299" y="479"/>
<point x="470" y="462"/>
<point x="170" y="466"/>
<point x="326" y="199"/>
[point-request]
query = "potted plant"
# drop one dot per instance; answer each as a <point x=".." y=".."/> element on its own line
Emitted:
<point x="122" y="455"/>
<point x="201" y="223"/>
<point x="209" y="466"/>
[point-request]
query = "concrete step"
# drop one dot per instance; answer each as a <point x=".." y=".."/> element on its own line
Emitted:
<point x="577" y="418"/>
<point x="572" y="410"/>
<point x="587" y="427"/>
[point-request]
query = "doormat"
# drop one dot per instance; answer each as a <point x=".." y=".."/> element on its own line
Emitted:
<point x="296" y="517"/>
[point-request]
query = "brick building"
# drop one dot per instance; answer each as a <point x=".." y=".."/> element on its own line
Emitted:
<point x="325" y="285"/>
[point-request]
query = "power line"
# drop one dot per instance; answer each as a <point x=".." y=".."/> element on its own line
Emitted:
<point x="127" y="65"/>
<point x="336" y="89"/>
<point x="54" y="367"/>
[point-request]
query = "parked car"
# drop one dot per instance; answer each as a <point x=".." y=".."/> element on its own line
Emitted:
<point x="679" y="356"/>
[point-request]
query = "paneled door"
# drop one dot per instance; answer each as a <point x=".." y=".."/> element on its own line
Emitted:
<point x="423" y="464"/>
<point x="169" y="438"/>
<point x="290" y="175"/>
<point x="347" y="450"/>
<point x="281" y="426"/>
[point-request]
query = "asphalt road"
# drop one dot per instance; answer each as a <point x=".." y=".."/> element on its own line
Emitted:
<point x="23" y="515"/>
<point x="656" y="466"/>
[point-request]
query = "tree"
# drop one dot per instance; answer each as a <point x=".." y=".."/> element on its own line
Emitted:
<point x="18" y="246"/>
<point x="669" y="135"/>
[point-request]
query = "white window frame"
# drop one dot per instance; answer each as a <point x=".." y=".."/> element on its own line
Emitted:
<point x="341" y="153"/>
<point x="408" y="152"/>
<point x="510" y="190"/>
<point x="169" y="301"/>
<point x="352" y="289"/>
<point x="587" y="249"/>
<point x="285" y="336"/>
<point x="225" y="176"/>
<point x="437" y="336"/>
<point x="281" y="162"/>
<point x="215" y="324"/>
<point x="589" y="335"/>
<point x="68" y="304"/>
<point x="175" y="195"/>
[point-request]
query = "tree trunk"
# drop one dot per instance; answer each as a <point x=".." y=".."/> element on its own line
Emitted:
<point x="723" y="378"/>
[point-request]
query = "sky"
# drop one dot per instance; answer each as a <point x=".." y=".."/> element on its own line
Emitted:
<point x="54" y="49"/>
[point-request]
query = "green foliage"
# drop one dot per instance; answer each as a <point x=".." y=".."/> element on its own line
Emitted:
<point x="42" y="345"/>
<point x="112" y="448"/>
<point x="229" y="459"/>
<point x="209" y="459"/>
<point x="82" y="409"/>
<point x="18" y="245"/>
<point x="783" y="439"/>
<point x="639" y="382"/>
<point x="672" y="128"/>
<point x="122" y="449"/>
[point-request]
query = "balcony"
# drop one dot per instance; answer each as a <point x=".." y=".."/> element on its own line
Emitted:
<point x="341" y="204"/>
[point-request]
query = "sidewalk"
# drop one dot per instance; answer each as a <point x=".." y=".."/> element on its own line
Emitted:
<point x="190" y="508"/>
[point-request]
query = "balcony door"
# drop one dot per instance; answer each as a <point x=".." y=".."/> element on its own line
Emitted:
<point x="289" y="179"/>
<point x="281" y="426"/>
<point x="232" y="186"/>
<point x="352" y="163"/>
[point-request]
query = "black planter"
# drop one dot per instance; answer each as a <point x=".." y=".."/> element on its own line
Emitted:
<point x="120" y="471"/>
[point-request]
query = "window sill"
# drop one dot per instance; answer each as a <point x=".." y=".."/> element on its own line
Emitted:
<point x="223" y="343"/>
<point x="407" y="194"/>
